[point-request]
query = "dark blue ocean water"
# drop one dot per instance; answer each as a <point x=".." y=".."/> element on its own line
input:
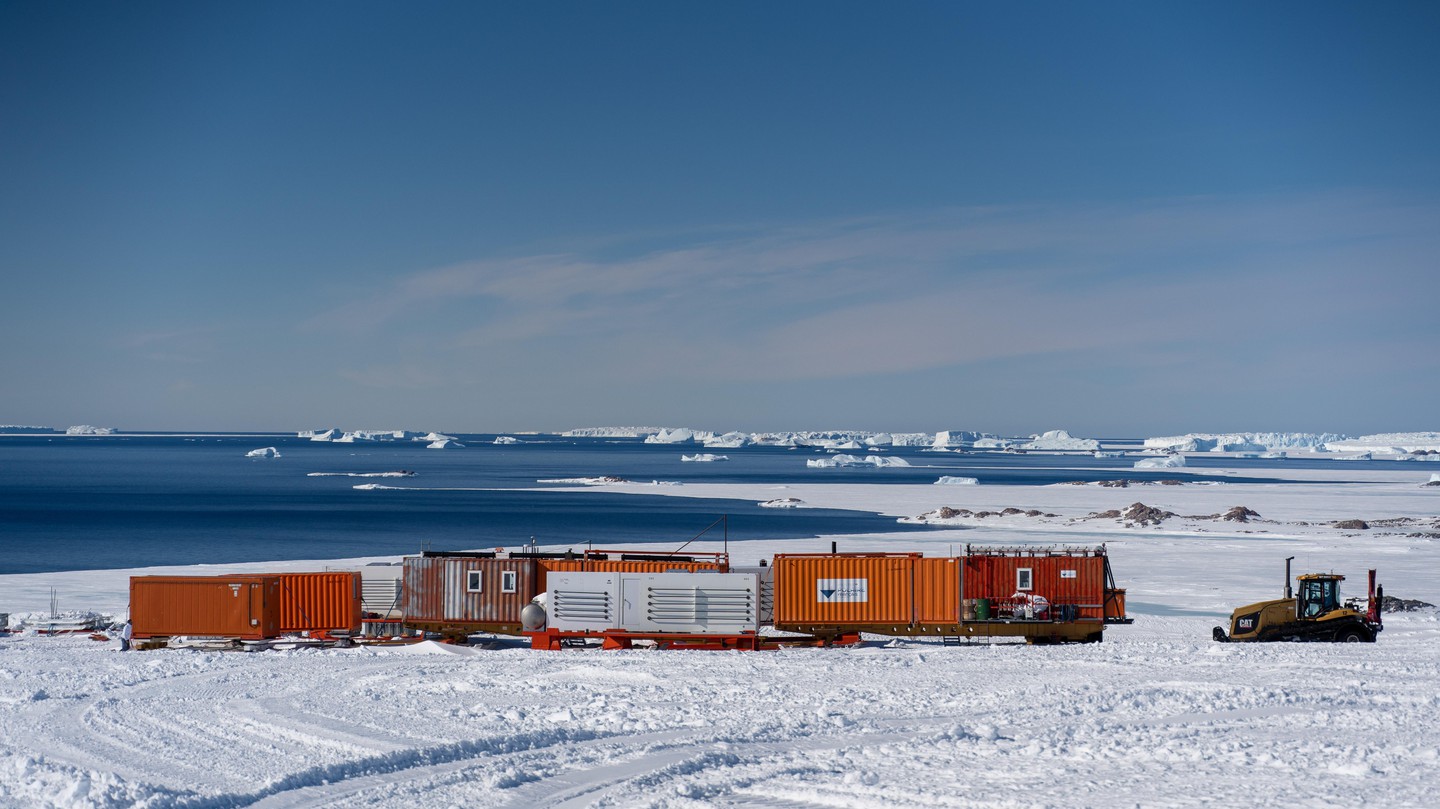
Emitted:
<point x="72" y="503"/>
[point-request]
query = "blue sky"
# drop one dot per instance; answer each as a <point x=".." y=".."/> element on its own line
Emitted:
<point x="1114" y="218"/>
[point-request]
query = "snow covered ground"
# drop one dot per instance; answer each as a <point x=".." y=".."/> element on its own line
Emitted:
<point x="1157" y="715"/>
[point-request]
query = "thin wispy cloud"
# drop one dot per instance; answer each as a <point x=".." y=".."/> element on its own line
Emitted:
<point x="923" y="291"/>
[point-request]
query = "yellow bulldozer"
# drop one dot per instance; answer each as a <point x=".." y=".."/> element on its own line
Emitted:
<point x="1317" y="615"/>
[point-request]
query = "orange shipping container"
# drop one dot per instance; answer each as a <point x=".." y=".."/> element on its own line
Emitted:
<point x="246" y="607"/>
<point x="582" y="565"/>
<point x="311" y="602"/>
<point x="845" y="589"/>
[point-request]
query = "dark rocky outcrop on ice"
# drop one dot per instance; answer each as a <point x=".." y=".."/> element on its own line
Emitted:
<point x="1393" y="604"/>
<point x="1141" y="514"/>
<point x="948" y="513"/>
<point x="1352" y="525"/>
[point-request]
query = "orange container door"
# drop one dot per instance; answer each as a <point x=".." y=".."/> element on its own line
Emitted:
<point x="937" y="590"/>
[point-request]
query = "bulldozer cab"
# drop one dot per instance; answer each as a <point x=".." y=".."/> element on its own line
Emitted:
<point x="1319" y="595"/>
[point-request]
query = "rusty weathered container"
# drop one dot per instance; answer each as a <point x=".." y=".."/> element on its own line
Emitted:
<point x="467" y="593"/>
<point x="477" y="592"/>
<point x="244" y="607"/>
<point x="845" y="589"/>
<point x="1063" y="577"/>
<point x="315" y="602"/>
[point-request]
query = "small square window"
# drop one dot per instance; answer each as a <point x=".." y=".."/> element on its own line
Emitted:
<point x="474" y="581"/>
<point x="1024" y="579"/>
<point x="509" y="581"/>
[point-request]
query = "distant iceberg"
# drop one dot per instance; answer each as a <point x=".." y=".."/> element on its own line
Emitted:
<point x="1163" y="462"/>
<point x="1391" y="443"/>
<point x="1240" y="446"/>
<point x="704" y="457"/>
<point x="680" y="435"/>
<point x="851" y="460"/>
<point x="444" y="443"/>
<point x="505" y="439"/>
<point x="1059" y="439"/>
<point x="338" y="436"/>
<point x="782" y="502"/>
<point x="730" y="440"/>
<point x="86" y="429"/>
<point x="1206" y="442"/>
<point x="955" y="438"/>
<point x="951" y="480"/>
<point x="611" y="432"/>
<point x="266" y="452"/>
<point x="736" y="439"/>
<point x="403" y="473"/>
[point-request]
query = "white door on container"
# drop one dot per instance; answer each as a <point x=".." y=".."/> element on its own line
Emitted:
<point x="632" y="607"/>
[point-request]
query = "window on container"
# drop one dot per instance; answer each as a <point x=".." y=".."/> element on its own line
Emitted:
<point x="475" y="581"/>
<point x="509" y="581"/>
<point x="1024" y="579"/>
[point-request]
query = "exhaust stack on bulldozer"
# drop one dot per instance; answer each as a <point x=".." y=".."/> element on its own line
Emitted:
<point x="1317" y="615"/>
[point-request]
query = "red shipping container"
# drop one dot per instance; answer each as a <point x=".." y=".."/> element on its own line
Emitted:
<point x="1062" y="577"/>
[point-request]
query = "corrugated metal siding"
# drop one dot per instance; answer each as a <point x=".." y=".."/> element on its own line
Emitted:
<point x="436" y="591"/>
<point x="319" y="601"/>
<point x="223" y="606"/>
<point x="618" y="566"/>
<point x="845" y="589"/>
<point x="421" y="591"/>
<point x="937" y="590"/>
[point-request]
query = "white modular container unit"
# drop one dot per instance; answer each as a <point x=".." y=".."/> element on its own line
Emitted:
<point x="582" y="602"/>
<point x="380" y="589"/>
<point x="694" y="603"/>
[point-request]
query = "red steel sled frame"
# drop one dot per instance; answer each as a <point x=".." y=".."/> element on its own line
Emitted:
<point x="555" y="640"/>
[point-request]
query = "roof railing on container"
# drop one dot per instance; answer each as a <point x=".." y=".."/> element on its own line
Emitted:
<point x="858" y="555"/>
<point x="1035" y="551"/>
